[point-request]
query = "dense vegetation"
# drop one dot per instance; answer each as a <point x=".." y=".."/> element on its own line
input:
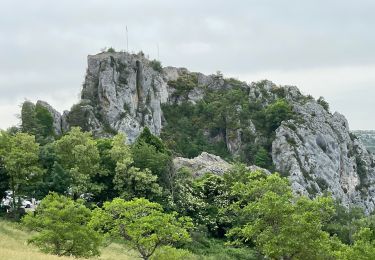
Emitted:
<point x="215" y="120"/>
<point x="95" y="191"/>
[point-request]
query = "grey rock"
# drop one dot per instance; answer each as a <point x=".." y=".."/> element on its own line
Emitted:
<point x="208" y="163"/>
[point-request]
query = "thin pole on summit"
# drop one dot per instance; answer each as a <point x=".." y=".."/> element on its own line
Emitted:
<point x="127" y="39"/>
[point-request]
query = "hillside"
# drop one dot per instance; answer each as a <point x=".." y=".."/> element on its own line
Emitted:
<point x="274" y="127"/>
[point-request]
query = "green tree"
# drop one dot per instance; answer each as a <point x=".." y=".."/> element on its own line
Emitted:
<point x="20" y="158"/>
<point x="142" y="223"/>
<point x="263" y="159"/>
<point x="28" y="121"/>
<point x="277" y="112"/>
<point x="363" y="247"/>
<point x="280" y="225"/>
<point x="150" y="153"/>
<point x="131" y="181"/>
<point x="38" y="121"/>
<point x="78" y="155"/>
<point x="62" y="227"/>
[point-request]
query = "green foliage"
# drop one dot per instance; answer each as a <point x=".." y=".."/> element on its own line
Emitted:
<point x="183" y="85"/>
<point x="280" y="225"/>
<point x="156" y="65"/>
<point x="344" y="223"/>
<point x="111" y="50"/>
<point x="263" y="159"/>
<point x="131" y="181"/>
<point x="62" y="227"/>
<point x="142" y="223"/>
<point x="20" y="158"/>
<point x="216" y="119"/>
<point x="38" y="121"/>
<point x="321" y="101"/>
<point x="276" y="113"/>
<point x="211" y="249"/>
<point x="78" y="155"/>
<point x="171" y="253"/>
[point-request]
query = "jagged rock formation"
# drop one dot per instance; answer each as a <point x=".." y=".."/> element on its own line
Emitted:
<point x="367" y="137"/>
<point x="125" y="92"/>
<point x="203" y="163"/>
<point x="208" y="163"/>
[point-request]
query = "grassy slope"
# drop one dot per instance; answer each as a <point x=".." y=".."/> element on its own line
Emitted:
<point x="13" y="245"/>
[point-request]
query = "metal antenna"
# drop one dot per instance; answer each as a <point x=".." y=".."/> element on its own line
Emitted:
<point x="127" y="39"/>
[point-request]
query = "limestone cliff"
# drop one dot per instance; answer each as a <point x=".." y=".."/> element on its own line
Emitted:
<point x="126" y="92"/>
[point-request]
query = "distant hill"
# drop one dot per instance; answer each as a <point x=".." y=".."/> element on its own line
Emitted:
<point x="367" y="137"/>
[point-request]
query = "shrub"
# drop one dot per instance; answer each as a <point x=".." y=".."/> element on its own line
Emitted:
<point x="61" y="223"/>
<point x="156" y="65"/>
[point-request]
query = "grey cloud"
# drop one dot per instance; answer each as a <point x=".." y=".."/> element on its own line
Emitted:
<point x="44" y="43"/>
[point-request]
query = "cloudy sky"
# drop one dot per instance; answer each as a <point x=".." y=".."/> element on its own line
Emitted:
<point x="325" y="47"/>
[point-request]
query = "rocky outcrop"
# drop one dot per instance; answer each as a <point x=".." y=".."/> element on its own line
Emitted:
<point x="319" y="155"/>
<point x="125" y="92"/>
<point x="202" y="164"/>
<point x="208" y="163"/>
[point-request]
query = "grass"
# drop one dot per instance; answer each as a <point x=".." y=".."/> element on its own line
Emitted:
<point x="13" y="245"/>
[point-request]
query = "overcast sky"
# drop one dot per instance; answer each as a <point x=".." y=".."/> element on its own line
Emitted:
<point x="325" y="47"/>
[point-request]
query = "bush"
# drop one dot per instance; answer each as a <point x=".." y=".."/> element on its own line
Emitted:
<point x="321" y="101"/>
<point x="156" y="65"/>
<point x="61" y="223"/>
<point x="171" y="253"/>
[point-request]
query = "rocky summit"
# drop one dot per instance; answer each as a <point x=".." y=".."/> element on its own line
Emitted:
<point x="274" y="127"/>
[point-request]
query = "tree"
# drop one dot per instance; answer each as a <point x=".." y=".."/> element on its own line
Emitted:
<point x="277" y="112"/>
<point x="142" y="223"/>
<point x="263" y="159"/>
<point x="20" y="157"/>
<point x="62" y="227"/>
<point x="129" y="180"/>
<point x="78" y="155"/>
<point x="280" y="225"/>
<point x="149" y="152"/>
<point x="38" y="121"/>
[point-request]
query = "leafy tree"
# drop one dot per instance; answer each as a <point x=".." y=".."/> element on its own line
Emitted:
<point x="78" y="155"/>
<point x="277" y="112"/>
<point x="263" y="159"/>
<point x="62" y="227"/>
<point x="28" y="121"/>
<point x="38" y="121"/>
<point x="106" y="173"/>
<point x="280" y="225"/>
<point x="213" y="191"/>
<point x="150" y="153"/>
<point x="4" y="177"/>
<point x="345" y="222"/>
<point x="20" y="158"/>
<point x="363" y="247"/>
<point x="129" y="180"/>
<point x="44" y="121"/>
<point x="142" y="223"/>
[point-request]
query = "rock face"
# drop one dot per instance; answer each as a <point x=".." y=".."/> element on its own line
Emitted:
<point x="202" y="164"/>
<point x="320" y="155"/>
<point x="207" y="163"/>
<point x="125" y="92"/>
